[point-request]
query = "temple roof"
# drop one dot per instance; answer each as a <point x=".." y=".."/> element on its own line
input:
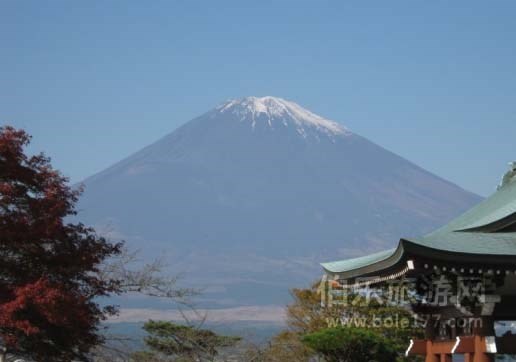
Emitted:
<point x="356" y="263"/>
<point x="486" y="229"/>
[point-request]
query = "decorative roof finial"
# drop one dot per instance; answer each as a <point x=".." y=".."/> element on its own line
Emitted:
<point x="509" y="176"/>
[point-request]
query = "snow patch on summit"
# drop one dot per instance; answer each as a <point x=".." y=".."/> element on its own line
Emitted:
<point x="273" y="110"/>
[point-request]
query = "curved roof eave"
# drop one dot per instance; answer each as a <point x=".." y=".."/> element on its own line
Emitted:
<point x="368" y="264"/>
<point x="471" y="243"/>
<point x="498" y="206"/>
<point x="473" y="236"/>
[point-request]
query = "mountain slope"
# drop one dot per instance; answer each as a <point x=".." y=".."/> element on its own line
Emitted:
<point x="248" y="197"/>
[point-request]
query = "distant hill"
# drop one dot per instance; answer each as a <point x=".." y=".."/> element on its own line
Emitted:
<point x="246" y="199"/>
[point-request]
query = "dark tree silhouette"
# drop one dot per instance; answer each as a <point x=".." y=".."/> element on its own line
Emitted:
<point x="347" y="344"/>
<point x="181" y="342"/>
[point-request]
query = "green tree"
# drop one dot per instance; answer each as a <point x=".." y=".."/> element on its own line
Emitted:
<point x="350" y="344"/>
<point x="306" y="315"/>
<point x="168" y="341"/>
<point x="285" y="346"/>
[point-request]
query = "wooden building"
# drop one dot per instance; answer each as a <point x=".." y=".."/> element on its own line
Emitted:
<point x="477" y="247"/>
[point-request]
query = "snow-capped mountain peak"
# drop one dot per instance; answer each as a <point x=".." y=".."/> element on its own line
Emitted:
<point x="251" y="204"/>
<point x="273" y="111"/>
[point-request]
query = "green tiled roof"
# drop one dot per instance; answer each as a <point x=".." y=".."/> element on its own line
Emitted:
<point x="497" y="206"/>
<point x="465" y="234"/>
<point x="454" y="236"/>
<point x="356" y="263"/>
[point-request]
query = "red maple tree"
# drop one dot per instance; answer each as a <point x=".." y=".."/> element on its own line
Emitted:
<point x="49" y="266"/>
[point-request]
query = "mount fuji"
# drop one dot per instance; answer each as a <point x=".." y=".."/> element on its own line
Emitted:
<point x="246" y="199"/>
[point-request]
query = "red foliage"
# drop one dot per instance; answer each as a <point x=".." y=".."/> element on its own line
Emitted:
<point x="48" y="266"/>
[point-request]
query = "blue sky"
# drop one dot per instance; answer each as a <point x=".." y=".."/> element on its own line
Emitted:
<point x="433" y="81"/>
